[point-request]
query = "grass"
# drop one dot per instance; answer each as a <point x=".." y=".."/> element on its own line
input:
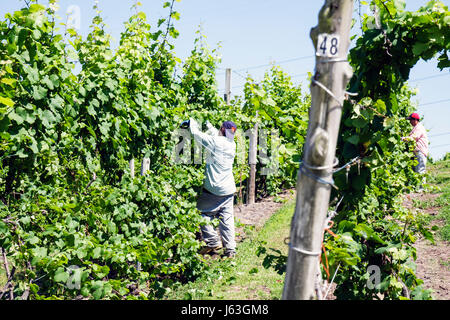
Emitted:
<point x="439" y="173"/>
<point x="249" y="275"/>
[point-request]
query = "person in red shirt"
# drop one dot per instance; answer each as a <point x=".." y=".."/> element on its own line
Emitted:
<point x="419" y="135"/>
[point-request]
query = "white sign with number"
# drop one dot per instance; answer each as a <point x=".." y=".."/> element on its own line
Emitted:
<point x="328" y="45"/>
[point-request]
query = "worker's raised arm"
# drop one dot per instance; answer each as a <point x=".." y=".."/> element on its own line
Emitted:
<point x="211" y="130"/>
<point x="206" y="140"/>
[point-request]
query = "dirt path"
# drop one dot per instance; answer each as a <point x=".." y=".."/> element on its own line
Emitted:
<point x="432" y="260"/>
<point x="257" y="214"/>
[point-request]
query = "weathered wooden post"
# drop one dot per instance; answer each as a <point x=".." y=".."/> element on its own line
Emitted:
<point x="227" y="95"/>
<point x="252" y="152"/>
<point x="132" y="168"/>
<point x="331" y="41"/>
<point x="145" y="166"/>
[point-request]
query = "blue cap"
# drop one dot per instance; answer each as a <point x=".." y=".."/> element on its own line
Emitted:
<point x="230" y="129"/>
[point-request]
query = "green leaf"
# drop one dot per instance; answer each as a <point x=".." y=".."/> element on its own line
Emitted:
<point x="32" y="74"/>
<point x="100" y="271"/>
<point x="368" y="233"/>
<point x="21" y="112"/>
<point x="81" y="253"/>
<point x="350" y="150"/>
<point x="61" y="275"/>
<point x="93" y="106"/>
<point x="91" y="131"/>
<point x="388" y="122"/>
<point x="9" y="82"/>
<point x="420" y="47"/>
<point x="4" y="124"/>
<point x="154" y="113"/>
<point x="39" y="93"/>
<point x="36" y="8"/>
<point x="364" y="230"/>
<point x="36" y="34"/>
<point x="46" y="80"/>
<point x="380" y="105"/>
<point x="141" y="15"/>
<point x="6" y="101"/>
<point x="353" y="139"/>
<point x="3" y="228"/>
<point x="56" y="103"/>
<point x="47" y="118"/>
<point x="25" y="220"/>
<point x="176" y="15"/>
<point x="112" y="227"/>
<point x="359" y="122"/>
<point x="97" y="289"/>
<point x="160" y="22"/>
<point x="17" y="118"/>
<point x="22" y="154"/>
<point x="39" y="253"/>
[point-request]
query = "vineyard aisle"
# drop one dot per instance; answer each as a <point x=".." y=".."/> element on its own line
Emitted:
<point x="433" y="265"/>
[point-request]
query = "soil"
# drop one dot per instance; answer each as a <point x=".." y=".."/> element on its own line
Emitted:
<point x="432" y="262"/>
<point x="256" y="214"/>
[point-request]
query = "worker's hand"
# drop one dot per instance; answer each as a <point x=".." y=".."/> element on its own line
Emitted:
<point x="185" y="124"/>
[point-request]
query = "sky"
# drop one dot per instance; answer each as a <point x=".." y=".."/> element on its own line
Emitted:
<point x="250" y="35"/>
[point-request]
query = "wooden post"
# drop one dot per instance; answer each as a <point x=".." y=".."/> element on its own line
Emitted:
<point x="145" y="166"/>
<point x="241" y="160"/>
<point x="253" y="149"/>
<point x="227" y="95"/>
<point x="8" y="276"/>
<point x="331" y="41"/>
<point x="132" y="168"/>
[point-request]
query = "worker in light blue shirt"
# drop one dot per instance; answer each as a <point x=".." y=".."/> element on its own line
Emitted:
<point x="217" y="197"/>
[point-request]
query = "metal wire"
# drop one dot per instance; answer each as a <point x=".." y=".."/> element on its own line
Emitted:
<point x="308" y="173"/>
<point x="336" y="161"/>
<point x="351" y="162"/>
<point x="331" y="94"/>
<point x="305" y="252"/>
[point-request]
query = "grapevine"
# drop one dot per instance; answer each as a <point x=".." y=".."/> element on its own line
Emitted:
<point x="75" y="223"/>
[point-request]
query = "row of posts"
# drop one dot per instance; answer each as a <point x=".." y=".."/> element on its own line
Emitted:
<point x="253" y="144"/>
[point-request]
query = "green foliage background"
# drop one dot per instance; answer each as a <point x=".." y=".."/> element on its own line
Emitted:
<point x="74" y="223"/>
